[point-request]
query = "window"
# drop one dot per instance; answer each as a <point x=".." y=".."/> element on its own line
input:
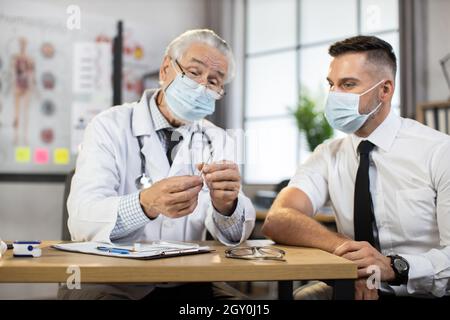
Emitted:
<point x="287" y="55"/>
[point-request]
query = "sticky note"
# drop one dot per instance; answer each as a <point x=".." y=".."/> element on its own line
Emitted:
<point x="23" y="154"/>
<point x="61" y="156"/>
<point x="41" y="156"/>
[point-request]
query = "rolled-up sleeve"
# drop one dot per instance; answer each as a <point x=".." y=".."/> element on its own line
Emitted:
<point x="430" y="271"/>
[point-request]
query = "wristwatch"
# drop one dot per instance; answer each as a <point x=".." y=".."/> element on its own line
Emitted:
<point x="401" y="270"/>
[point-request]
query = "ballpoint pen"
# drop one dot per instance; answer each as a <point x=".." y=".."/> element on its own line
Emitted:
<point x="114" y="250"/>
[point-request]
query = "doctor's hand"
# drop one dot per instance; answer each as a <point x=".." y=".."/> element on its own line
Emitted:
<point x="173" y="197"/>
<point x="224" y="182"/>
<point x="365" y="256"/>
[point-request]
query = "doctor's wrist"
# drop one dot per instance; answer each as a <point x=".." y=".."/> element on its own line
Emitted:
<point x="149" y="212"/>
<point x="225" y="209"/>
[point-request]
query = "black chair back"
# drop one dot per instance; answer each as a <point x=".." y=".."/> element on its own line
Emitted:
<point x="65" y="228"/>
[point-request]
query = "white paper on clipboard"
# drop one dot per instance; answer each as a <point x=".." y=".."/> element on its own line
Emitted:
<point x="147" y="251"/>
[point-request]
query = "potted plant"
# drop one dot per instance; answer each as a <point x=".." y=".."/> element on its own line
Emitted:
<point x="312" y="122"/>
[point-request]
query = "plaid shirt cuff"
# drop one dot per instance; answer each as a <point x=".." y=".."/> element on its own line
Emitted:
<point x="130" y="216"/>
<point x="233" y="225"/>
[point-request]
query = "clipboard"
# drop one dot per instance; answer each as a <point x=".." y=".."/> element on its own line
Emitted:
<point x="148" y="251"/>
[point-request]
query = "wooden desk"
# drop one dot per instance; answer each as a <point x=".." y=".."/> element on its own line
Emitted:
<point x="301" y="264"/>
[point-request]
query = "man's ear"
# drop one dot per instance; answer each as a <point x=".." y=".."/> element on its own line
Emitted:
<point x="387" y="89"/>
<point x="165" y="65"/>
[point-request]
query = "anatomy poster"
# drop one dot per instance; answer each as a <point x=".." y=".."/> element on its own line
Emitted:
<point x="40" y="107"/>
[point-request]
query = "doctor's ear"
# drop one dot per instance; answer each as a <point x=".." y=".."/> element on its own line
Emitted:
<point x="164" y="69"/>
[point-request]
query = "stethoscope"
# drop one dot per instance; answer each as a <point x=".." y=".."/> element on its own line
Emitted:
<point x="144" y="181"/>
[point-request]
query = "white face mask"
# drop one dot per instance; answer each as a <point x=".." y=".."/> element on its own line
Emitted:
<point x="188" y="100"/>
<point x="342" y="110"/>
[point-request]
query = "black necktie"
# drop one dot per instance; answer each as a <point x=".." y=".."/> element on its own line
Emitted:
<point x="172" y="138"/>
<point x="363" y="216"/>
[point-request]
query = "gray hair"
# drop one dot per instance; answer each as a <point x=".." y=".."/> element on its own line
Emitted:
<point x="179" y="45"/>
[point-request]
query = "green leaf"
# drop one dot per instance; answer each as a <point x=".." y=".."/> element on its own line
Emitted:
<point x="312" y="122"/>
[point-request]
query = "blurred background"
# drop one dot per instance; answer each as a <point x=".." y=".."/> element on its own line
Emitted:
<point x="62" y="62"/>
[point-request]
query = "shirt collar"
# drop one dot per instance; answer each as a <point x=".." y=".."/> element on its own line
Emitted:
<point x="384" y="135"/>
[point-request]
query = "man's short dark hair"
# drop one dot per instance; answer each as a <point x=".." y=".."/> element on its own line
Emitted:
<point x="379" y="52"/>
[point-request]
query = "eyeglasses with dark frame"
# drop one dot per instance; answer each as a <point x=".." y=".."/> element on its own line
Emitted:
<point x="217" y="89"/>
<point x="255" y="253"/>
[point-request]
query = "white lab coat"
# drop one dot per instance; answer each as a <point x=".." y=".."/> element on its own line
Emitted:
<point x="107" y="166"/>
<point x="109" y="163"/>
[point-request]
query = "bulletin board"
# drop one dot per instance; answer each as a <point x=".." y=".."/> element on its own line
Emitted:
<point x="52" y="82"/>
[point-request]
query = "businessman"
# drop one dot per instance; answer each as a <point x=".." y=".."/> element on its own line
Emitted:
<point x="388" y="182"/>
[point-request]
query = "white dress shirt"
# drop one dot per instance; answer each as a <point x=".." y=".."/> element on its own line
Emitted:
<point x="410" y="187"/>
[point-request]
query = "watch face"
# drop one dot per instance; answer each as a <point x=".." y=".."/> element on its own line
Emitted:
<point x="400" y="265"/>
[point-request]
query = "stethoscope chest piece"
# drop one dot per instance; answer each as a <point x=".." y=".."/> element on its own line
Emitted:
<point x="143" y="182"/>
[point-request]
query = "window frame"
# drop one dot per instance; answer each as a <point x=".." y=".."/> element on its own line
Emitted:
<point x="297" y="48"/>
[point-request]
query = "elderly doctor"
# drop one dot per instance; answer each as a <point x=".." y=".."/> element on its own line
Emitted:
<point x="156" y="170"/>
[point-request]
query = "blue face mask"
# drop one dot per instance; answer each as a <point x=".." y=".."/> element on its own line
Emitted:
<point x="342" y="110"/>
<point x="188" y="100"/>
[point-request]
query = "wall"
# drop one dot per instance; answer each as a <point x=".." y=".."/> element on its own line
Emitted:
<point x="438" y="47"/>
<point x="34" y="210"/>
